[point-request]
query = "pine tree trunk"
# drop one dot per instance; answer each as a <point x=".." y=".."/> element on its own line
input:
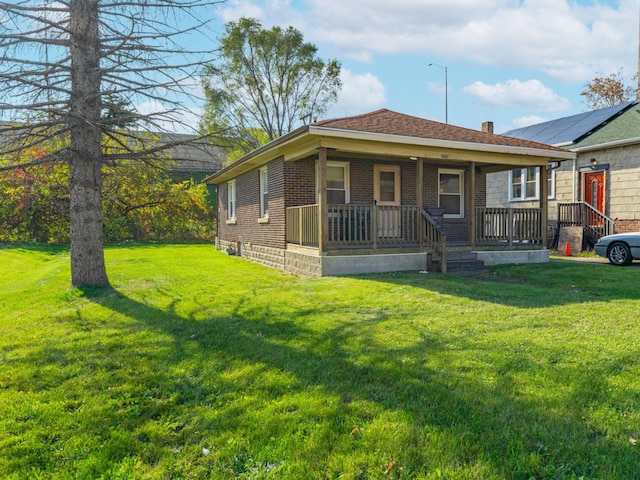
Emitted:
<point x="85" y="183"/>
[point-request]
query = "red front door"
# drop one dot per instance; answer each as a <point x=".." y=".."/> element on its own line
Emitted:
<point x="594" y="189"/>
<point x="593" y="194"/>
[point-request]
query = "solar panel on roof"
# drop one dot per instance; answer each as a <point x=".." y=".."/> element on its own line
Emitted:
<point x="566" y="129"/>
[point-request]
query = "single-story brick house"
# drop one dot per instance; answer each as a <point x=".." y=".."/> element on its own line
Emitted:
<point x="379" y="192"/>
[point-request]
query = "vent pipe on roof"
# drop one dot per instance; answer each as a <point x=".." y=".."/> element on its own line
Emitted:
<point x="487" y="127"/>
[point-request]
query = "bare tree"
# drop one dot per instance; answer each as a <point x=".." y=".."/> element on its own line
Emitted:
<point x="607" y="91"/>
<point x="72" y="71"/>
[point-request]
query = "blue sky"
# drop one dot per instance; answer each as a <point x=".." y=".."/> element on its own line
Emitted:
<point x="514" y="62"/>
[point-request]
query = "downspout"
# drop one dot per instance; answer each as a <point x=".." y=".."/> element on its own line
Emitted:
<point x="574" y="180"/>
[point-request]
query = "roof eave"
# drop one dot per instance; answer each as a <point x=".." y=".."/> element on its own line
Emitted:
<point x="601" y="146"/>
<point x="223" y="173"/>
<point x="431" y="142"/>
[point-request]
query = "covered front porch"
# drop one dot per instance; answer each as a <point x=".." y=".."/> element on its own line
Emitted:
<point x="373" y="229"/>
<point x="381" y="228"/>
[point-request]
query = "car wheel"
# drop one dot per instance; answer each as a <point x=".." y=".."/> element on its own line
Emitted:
<point x="619" y="254"/>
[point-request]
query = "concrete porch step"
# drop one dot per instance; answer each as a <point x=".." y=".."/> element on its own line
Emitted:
<point x="463" y="262"/>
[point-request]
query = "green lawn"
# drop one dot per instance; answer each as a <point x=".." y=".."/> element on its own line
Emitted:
<point x="198" y="365"/>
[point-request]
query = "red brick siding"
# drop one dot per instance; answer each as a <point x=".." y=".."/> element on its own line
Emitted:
<point x="300" y="185"/>
<point x="294" y="184"/>
<point x="625" y="226"/>
<point x="247" y="228"/>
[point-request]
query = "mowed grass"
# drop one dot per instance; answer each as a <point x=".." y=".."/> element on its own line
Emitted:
<point x="199" y="365"/>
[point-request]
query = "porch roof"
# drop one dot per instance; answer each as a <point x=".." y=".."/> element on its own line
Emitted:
<point x="386" y="133"/>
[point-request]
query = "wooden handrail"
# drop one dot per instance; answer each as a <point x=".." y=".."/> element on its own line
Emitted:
<point x="435" y="239"/>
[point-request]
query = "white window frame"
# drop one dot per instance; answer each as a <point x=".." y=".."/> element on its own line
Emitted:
<point x="231" y="200"/>
<point x="460" y="174"/>
<point x="347" y="182"/>
<point x="551" y="186"/>
<point x="377" y="169"/>
<point x="264" y="192"/>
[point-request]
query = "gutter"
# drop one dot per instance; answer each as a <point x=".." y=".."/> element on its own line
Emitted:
<point x="273" y="143"/>
<point x="601" y="146"/>
<point x="431" y="142"/>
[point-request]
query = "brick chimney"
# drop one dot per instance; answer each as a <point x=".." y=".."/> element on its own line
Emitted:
<point x="487" y="127"/>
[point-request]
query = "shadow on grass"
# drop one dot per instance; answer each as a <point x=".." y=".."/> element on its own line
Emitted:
<point x="454" y="419"/>
<point x="530" y="286"/>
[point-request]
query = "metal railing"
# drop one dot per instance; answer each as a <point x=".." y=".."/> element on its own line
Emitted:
<point x="582" y="214"/>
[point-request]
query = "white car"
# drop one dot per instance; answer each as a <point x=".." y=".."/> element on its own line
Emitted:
<point x="621" y="249"/>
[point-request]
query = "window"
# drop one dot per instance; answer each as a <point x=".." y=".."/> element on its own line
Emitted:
<point x="264" y="193"/>
<point x="524" y="183"/>
<point x="551" y="183"/>
<point x="337" y="183"/>
<point x="451" y="193"/>
<point x="386" y="188"/>
<point x="231" y="200"/>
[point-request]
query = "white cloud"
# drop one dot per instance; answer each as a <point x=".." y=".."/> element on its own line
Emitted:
<point x="236" y="9"/>
<point x="531" y="96"/>
<point x="566" y="39"/>
<point x="360" y="93"/>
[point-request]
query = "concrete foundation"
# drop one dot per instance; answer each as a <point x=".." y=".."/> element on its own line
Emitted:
<point x="309" y="263"/>
<point x="501" y="257"/>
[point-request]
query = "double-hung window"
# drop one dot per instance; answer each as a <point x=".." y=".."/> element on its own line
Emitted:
<point x="524" y="183"/>
<point x="337" y="183"/>
<point x="264" y="193"/>
<point x="451" y="193"/>
<point x="231" y="200"/>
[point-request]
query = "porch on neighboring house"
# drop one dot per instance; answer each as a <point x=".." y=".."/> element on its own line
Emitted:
<point x="581" y="217"/>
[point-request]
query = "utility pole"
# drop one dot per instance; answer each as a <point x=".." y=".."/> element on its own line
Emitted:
<point x="446" y="89"/>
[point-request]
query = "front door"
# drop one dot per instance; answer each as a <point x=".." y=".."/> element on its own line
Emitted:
<point x="386" y="193"/>
<point x="593" y="193"/>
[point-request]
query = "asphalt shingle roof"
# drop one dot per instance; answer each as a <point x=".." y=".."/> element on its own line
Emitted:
<point x="388" y="122"/>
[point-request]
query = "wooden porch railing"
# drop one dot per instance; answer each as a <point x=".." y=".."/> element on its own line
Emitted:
<point x="355" y="225"/>
<point x="374" y="226"/>
<point x="435" y="239"/>
<point x="302" y="225"/>
<point x="510" y="225"/>
<point x="581" y="214"/>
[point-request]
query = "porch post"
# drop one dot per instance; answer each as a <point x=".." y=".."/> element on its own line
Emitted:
<point x="544" y="203"/>
<point x="472" y="207"/>
<point x="323" y="234"/>
<point x="419" y="194"/>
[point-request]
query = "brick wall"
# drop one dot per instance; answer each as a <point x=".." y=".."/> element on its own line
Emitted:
<point x="247" y="227"/>
<point x="299" y="188"/>
<point x="625" y="226"/>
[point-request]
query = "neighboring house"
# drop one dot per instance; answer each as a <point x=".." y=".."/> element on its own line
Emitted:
<point x="378" y="192"/>
<point x="192" y="158"/>
<point x="599" y="190"/>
